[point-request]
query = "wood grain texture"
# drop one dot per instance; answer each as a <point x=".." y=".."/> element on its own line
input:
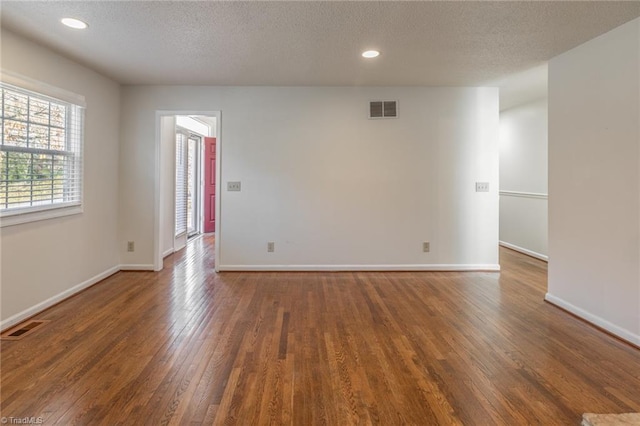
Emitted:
<point x="188" y="346"/>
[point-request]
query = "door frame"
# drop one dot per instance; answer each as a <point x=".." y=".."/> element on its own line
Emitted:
<point x="157" y="232"/>
<point x="196" y="214"/>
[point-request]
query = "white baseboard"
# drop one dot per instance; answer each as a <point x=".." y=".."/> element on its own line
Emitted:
<point x="134" y="267"/>
<point x="167" y="252"/>
<point x="594" y="319"/>
<point x="525" y="251"/>
<point x="21" y="316"/>
<point x="310" y="268"/>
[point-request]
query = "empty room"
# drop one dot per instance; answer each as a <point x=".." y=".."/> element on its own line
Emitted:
<point x="320" y="212"/>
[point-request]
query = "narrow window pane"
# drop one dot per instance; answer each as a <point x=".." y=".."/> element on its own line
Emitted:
<point x="15" y="105"/>
<point x="3" y="166"/>
<point x="58" y="115"/>
<point x="15" y="133"/>
<point x="42" y="192"/>
<point x="39" y="111"/>
<point x="19" y="165"/>
<point x="58" y="168"/>
<point x="57" y="139"/>
<point x="19" y="183"/>
<point x="42" y="166"/>
<point x="3" y="194"/>
<point x="3" y="180"/>
<point x="19" y="194"/>
<point x="38" y="136"/>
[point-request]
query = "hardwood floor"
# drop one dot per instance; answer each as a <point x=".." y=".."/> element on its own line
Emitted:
<point x="187" y="346"/>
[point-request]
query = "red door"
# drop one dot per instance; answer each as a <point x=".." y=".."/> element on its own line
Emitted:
<point x="209" y="184"/>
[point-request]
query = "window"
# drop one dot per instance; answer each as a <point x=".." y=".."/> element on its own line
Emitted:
<point x="189" y="134"/>
<point x="40" y="156"/>
<point x="181" y="183"/>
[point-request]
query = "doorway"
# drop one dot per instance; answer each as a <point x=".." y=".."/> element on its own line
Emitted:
<point x="187" y="175"/>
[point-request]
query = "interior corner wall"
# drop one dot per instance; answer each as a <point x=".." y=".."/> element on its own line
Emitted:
<point x="523" y="178"/>
<point x="50" y="259"/>
<point x="167" y="183"/>
<point x="332" y="188"/>
<point x="594" y="181"/>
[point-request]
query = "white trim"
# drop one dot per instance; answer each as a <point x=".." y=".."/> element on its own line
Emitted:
<point x="137" y="267"/>
<point x="36" y="309"/>
<point x="39" y="87"/>
<point x="537" y="195"/>
<point x="311" y="268"/>
<point x="525" y="251"/>
<point x="179" y="243"/>
<point x="158" y="264"/>
<point x="17" y="218"/>
<point x="594" y="319"/>
<point x="218" y="226"/>
<point x="167" y="252"/>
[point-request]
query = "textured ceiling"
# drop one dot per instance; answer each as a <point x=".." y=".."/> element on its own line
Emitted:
<point x="314" y="43"/>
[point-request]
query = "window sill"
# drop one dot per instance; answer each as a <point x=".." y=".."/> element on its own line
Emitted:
<point x="17" y="218"/>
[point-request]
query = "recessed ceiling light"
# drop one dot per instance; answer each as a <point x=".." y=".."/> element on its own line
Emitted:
<point x="74" y="23"/>
<point x="370" y="53"/>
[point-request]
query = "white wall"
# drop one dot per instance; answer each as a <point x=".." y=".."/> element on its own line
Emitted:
<point x="168" y="179"/>
<point x="327" y="185"/>
<point x="523" y="178"/>
<point x="44" y="260"/>
<point x="594" y="181"/>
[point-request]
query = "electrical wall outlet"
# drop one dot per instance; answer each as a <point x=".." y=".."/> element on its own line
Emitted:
<point x="271" y="247"/>
<point x="482" y="186"/>
<point x="131" y="246"/>
<point x="233" y="186"/>
<point x="426" y="247"/>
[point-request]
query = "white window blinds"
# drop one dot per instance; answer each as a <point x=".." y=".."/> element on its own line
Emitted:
<point x="40" y="152"/>
<point x="181" y="183"/>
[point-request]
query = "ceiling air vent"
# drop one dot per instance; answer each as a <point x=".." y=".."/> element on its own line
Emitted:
<point x="383" y="109"/>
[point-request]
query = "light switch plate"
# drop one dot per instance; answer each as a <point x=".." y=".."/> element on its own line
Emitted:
<point x="482" y="186"/>
<point x="233" y="186"/>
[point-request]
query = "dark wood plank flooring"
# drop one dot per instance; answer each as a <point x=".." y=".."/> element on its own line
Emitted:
<point x="188" y="346"/>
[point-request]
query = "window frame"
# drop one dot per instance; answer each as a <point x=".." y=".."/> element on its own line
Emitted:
<point x="18" y="216"/>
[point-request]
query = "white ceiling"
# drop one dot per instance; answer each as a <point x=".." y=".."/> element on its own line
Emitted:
<point x="455" y="43"/>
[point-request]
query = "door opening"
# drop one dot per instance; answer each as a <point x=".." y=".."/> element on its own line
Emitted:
<point x="186" y="203"/>
<point x="192" y="176"/>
